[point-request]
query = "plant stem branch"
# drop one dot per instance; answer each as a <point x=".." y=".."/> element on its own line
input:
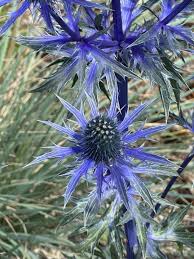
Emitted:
<point x="176" y="10"/>
<point x="117" y="19"/>
<point x="123" y="103"/>
<point x="182" y="167"/>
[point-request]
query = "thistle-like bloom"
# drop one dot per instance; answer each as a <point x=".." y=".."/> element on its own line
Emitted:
<point x="85" y="45"/>
<point x="105" y="151"/>
<point x="86" y="53"/>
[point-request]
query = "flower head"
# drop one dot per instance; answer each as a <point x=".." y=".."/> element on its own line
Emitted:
<point x="85" y="45"/>
<point x="105" y="151"/>
<point x="101" y="140"/>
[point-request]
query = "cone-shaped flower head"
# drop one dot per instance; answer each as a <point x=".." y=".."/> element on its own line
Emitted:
<point x="105" y="150"/>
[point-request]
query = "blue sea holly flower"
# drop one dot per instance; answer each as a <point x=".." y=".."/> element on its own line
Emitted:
<point x="85" y="46"/>
<point x="104" y="149"/>
<point x="152" y="46"/>
<point x="86" y="54"/>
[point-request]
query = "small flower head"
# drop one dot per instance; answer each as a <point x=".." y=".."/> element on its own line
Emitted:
<point x="84" y="43"/>
<point x="101" y="140"/>
<point x="105" y="151"/>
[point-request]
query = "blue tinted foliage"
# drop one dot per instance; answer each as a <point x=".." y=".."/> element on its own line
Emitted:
<point x="100" y="46"/>
<point x="145" y="49"/>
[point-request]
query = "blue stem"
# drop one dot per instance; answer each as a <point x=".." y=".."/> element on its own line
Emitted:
<point x="123" y="102"/>
<point x="176" y="10"/>
<point x="118" y="30"/>
<point x="182" y="167"/>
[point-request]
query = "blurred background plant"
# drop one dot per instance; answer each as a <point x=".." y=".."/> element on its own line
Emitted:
<point x="33" y="223"/>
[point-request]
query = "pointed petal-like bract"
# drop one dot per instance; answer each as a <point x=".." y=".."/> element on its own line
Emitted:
<point x="14" y="15"/>
<point x="78" y="115"/>
<point x="77" y="174"/>
<point x="62" y="130"/>
<point x="99" y="179"/>
<point x="143" y="133"/>
<point x="42" y="42"/>
<point x="57" y="152"/>
<point x="127" y="8"/>
<point x="120" y="185"/>
<point x="113" y="107"/>
<point x="183" y="33"/>
<point x="157" y="171"/>
<point x="93" y="106"/>
<point x="86" y="3"/>
<point x="131" y="117"/>
<point x="141" y="188"/>
<point x="137" y="153"/>
<point x="110" y="62"/>
<point x="92" y="76"/>
<point x="45" y="12"/>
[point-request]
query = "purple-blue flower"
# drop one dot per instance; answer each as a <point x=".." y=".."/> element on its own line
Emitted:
<point x="87" y="52"/>
<point x="87" y="48"/>
<point x="104" y="150"/>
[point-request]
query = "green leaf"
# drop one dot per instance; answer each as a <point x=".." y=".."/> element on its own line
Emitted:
<point x="142" y="190"/>
<point x="141" y="233"/>
<point x="98" y="22"/>
<point x="176" y="90"/>
<point x="184" y="237"/>
<point x="176" y="217"/>
<point x="116" y="246"/>
<point x="166" y="100"/>
<point x="94" y="235"/>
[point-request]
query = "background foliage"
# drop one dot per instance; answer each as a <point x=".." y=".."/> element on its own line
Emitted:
<point x="31" y="204"/>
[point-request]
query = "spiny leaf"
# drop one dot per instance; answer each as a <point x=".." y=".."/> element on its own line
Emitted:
<point x="164" y="93"/>
<point x="185" y="237"/>
<point x="176" y="217"/>
<point x="142" y="190"/>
